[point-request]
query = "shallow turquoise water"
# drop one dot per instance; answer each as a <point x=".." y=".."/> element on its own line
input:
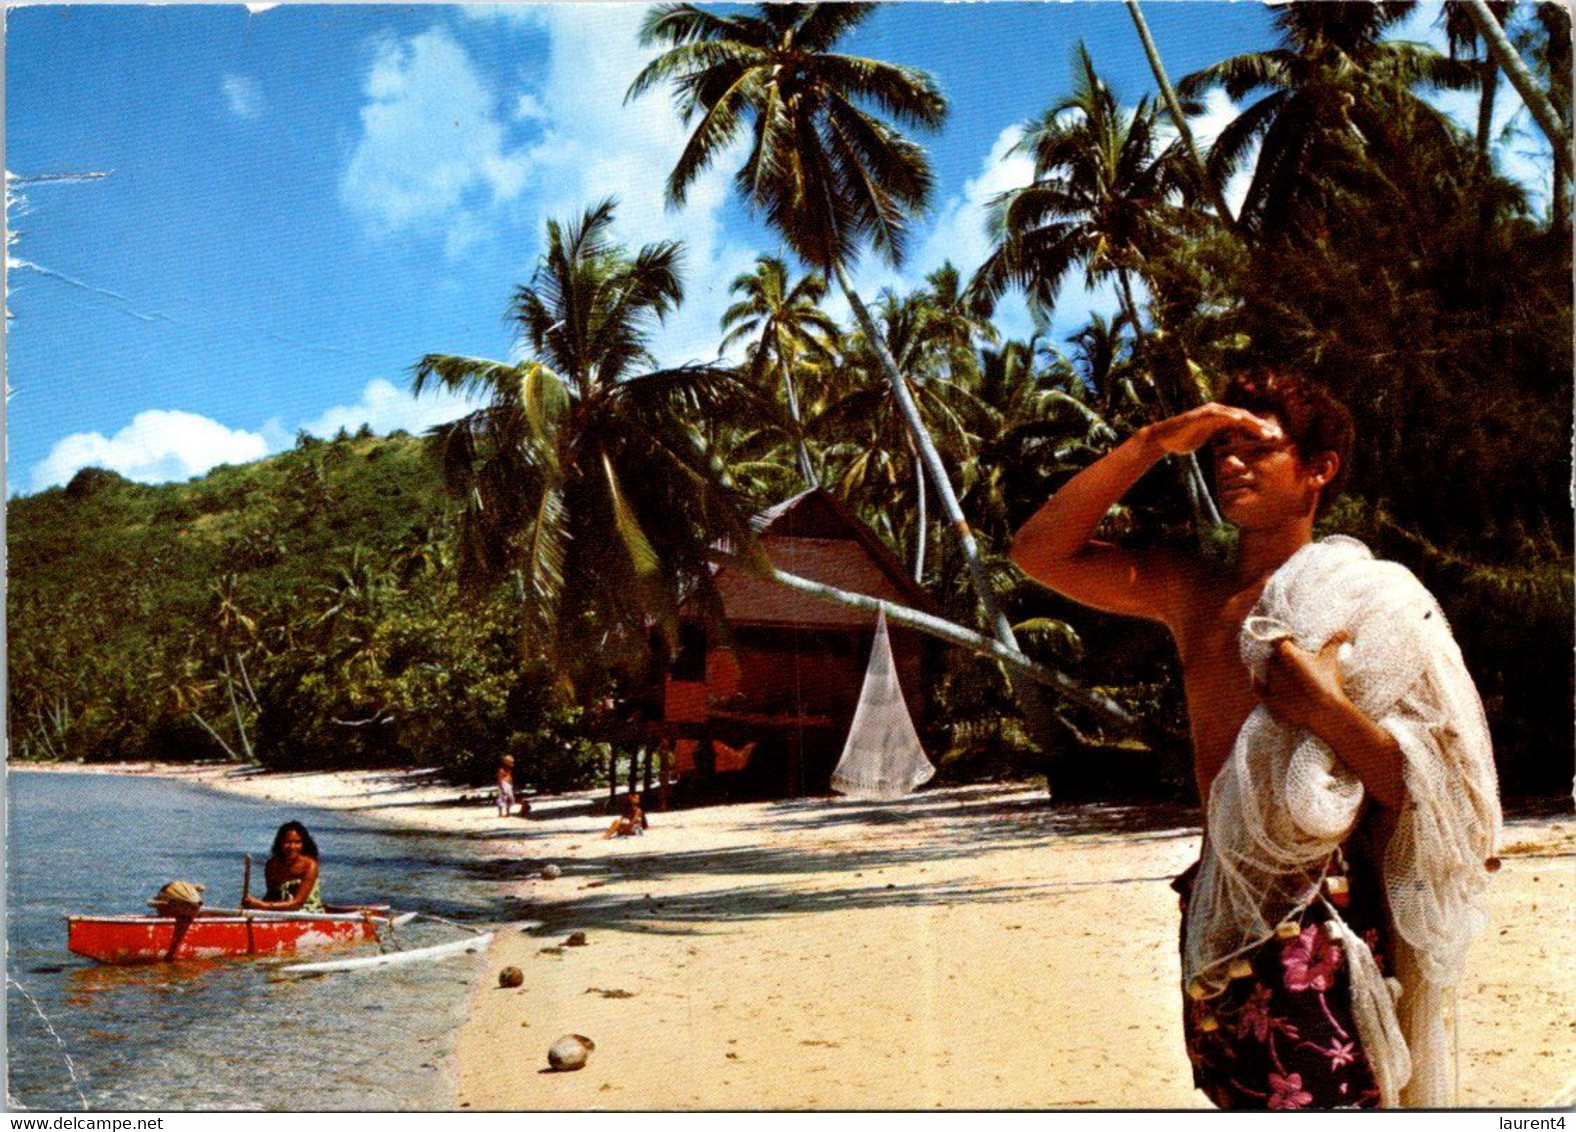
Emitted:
<point x="219" y="1035"/>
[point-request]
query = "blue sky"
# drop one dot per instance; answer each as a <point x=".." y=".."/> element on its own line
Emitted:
<point x="303" y="200"/>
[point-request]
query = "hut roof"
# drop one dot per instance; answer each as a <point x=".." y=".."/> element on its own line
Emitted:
<point x="814" y="535"/>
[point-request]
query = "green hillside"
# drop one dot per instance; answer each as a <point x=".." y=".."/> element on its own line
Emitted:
<point x="297" y="610"/>
<point x="141" y="554"/>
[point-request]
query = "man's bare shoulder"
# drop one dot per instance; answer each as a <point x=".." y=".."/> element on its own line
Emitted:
<point x="1193" y="586"/>
<point x="1158" y="582"/>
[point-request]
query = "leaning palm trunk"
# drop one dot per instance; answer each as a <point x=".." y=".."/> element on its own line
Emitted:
<point x="1510" y="61"/>
<point x="1045" y="728"/>
<point x="1010" y="658"/>
<point x="1179" y="119"/>
<point x="235" y="708"/>
<point x="924" y="523"/>
<point x="933" y="465"/>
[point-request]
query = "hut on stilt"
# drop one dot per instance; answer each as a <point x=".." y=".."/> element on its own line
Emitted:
<point x="765" y="713"/>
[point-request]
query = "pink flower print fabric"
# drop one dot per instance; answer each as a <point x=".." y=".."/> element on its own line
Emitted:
<point x="1283" y="1036"/>
<point x="1311" y="960"/>
<point x="1288" y="1091"/>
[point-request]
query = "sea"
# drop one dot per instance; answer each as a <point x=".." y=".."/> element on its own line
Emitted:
<point x="227" y="1035"/>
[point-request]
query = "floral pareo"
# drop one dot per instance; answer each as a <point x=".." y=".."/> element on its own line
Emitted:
<point x="1281" y="1035"/>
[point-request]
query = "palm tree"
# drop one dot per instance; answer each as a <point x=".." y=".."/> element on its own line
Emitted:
<point x="1179" y="117"/>
<point x="230" y="620"/>
<point x="786" y="324"/>
<point x="1462" y="35"/>
<point x="1103" y="367"/>
<point x="956" y="323"/>
<point x="1045" y="421"/>
<point x="582" y="482"/>
<point x="1101" y="190"/>
<point x="830" y="172"/>
<point x="1327" y="124"/>
<point x="420" y="553"/>
<point x="930" y="343"/>
<point x="1548" y="42"/>
<point x="826" y="168"/>
<point x="352" y="592"/>
<point x="1548" y="117"/>
<point x="228" y="612"/>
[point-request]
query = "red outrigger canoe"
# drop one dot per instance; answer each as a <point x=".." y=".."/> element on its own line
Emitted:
<point x="223" y="933"/>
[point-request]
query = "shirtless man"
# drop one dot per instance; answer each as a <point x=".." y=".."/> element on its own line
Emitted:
<point x="1279" y="447"/>
<point x="1272" y="475"/>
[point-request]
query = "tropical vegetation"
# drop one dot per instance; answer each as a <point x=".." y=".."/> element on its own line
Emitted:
<point x="512" y="582"/>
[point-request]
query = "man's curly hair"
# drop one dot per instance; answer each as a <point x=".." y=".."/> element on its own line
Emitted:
<point x="1314" y="420"/>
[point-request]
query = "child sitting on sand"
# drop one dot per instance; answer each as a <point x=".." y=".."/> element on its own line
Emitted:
<point x="632" y="824"/>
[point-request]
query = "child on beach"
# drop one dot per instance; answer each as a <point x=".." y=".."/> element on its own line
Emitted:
<point x="632" y="824"/>
<point x="505" y="786"/>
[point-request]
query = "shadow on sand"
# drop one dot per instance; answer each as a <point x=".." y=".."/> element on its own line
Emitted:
<point x="869" y="838"/>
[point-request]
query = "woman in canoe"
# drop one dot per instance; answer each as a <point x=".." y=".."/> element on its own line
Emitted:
<point x="291" y="873"/>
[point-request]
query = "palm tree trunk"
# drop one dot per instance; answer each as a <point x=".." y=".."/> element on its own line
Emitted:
<point x="1510" y="61"/>
<point x="1179" y="119"/>
<point x="206" y="726"/>
<point x="1560" y="206"/>
<point x="1205" y="513"/>
<point x="932" y="463"/>
<point x="806" y="469"/>
<point x="924" y="522"/>
<point x="1044" y="727"/>
<point x="1490" y="86"/>
<point x="235" y="708"/>
<point x="943" y="630"/>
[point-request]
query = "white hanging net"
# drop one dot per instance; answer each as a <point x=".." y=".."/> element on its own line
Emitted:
<point x="882" y="758"/>
<point x="1284" y="802"/>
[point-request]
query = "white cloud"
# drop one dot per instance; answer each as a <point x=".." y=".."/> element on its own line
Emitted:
<point x="433" y="152"/>
<point x="1219" y="112"/>
<point x="158" y="445"/>
<point x="243" y="95"/>
<point x="527" y="108"/>
<point x="385" y="408"/>
<point x="276" y="435"/>
<point x="594" y="145"/>
<point x="529" y="15"/>
<point x="959" y="232"/>
<point x="414" y="168"/>
<point x="165" y="445"/>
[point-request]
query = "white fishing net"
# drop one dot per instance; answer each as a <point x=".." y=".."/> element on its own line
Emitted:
<point x="882" y="758"/>
<point x="1284" y="803"/>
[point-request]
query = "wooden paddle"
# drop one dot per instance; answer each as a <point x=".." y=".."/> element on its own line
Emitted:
<point x="246" y="892"/>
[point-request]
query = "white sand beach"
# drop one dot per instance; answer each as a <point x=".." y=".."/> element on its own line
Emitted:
<point x="970" y="947"/>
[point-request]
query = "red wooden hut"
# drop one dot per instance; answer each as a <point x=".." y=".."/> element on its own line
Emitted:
<point x="767" y="712"/>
